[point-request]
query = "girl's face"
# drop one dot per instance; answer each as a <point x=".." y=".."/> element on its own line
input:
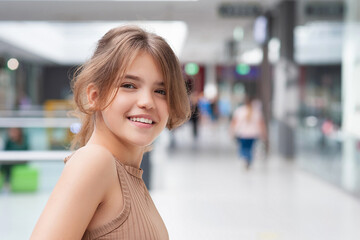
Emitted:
<point x="139" y="111"/>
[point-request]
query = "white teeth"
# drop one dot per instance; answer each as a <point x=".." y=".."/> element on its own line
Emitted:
<point x="143" y="120"/>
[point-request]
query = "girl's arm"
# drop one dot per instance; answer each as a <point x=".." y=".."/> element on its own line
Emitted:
<point x="75" y="198"/>
<point x="233" y="124"/>
<point x="263" y="130"/>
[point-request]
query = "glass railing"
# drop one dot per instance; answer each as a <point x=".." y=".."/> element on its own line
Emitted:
<point x="44" y="132"/>
<point x="331" y="155"/>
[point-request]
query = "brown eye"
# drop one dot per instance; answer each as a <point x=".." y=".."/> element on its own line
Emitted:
<point x="128" y="85"/>
<point x="161" y="91"/>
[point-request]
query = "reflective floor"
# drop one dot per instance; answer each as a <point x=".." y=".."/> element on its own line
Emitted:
<point x="203" y="191"/>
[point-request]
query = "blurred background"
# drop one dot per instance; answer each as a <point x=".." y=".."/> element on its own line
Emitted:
<point x="300" y="59"/>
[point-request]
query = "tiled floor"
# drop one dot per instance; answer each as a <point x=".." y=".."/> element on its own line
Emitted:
<point x="204" y="192"/>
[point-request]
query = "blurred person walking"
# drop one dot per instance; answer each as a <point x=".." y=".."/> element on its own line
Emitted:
<point x="247" y="125"/>
<point x="16" y="141"/>
<point x="127" y="93"/>
<point x="195" y="114"/>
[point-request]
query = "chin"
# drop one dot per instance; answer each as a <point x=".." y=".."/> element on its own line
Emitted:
<point x="142" y="143"/>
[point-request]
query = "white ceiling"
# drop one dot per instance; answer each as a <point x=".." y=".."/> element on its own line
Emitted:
<point x="73" y="42"/>
<point x="207" y="32"/>
<point x="65" y="32"/>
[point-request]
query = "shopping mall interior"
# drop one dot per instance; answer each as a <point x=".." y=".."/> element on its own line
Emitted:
<point x="298" y="59"/>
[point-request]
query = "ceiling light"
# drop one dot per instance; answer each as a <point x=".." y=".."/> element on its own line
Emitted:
<point x="13" y="64"/>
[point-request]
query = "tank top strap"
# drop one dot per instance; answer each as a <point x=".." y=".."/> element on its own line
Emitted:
<point x="120" y="219"/>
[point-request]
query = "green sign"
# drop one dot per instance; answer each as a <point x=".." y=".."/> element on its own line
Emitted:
<point x="191" y="69"/>
<point x="242" y="69"/>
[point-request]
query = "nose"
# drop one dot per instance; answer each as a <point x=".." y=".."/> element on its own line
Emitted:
<point x="146" y="100"/>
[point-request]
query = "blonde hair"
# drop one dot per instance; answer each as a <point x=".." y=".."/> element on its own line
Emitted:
<point x="114" y="53"/>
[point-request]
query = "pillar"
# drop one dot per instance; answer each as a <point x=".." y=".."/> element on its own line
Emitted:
<point x="285" y="104"/>
<point x="350" y="95"/>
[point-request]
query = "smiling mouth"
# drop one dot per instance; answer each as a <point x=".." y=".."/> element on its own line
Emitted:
<point x="141" y="120"/>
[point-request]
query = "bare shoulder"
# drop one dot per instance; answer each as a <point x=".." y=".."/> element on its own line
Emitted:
<point x="92" y="156"/>
<point x="83" y="185"/>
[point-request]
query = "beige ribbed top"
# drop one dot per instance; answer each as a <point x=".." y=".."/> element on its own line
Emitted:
<point x="139" y="219"/>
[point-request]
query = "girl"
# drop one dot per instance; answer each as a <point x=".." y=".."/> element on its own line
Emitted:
<point x="127" y="93"/>
<point x="248" y="125"/>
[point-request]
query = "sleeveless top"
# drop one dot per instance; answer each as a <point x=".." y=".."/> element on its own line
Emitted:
<point x="248" y="128"/>
<point x="139" y="218"/>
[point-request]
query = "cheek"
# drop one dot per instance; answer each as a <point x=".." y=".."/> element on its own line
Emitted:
<point x="107" y="117"/>
<point x="165" y="110"/>
<point x="112" y="112"/>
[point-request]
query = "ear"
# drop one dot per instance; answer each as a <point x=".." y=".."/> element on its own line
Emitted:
<point x="92" y="93"/>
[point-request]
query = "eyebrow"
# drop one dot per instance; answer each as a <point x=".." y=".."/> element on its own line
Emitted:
<point x="137" y="78"/>
<point x="132" y="77"/>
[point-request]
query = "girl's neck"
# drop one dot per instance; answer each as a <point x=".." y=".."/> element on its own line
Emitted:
<point x="126" y="153"/>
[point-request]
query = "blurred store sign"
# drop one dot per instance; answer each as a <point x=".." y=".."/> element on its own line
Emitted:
<point x="238" y="72"/>
<point x="325" y="9"/>
<point x="314" y="40"/>
<point x="239" y="10"/>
